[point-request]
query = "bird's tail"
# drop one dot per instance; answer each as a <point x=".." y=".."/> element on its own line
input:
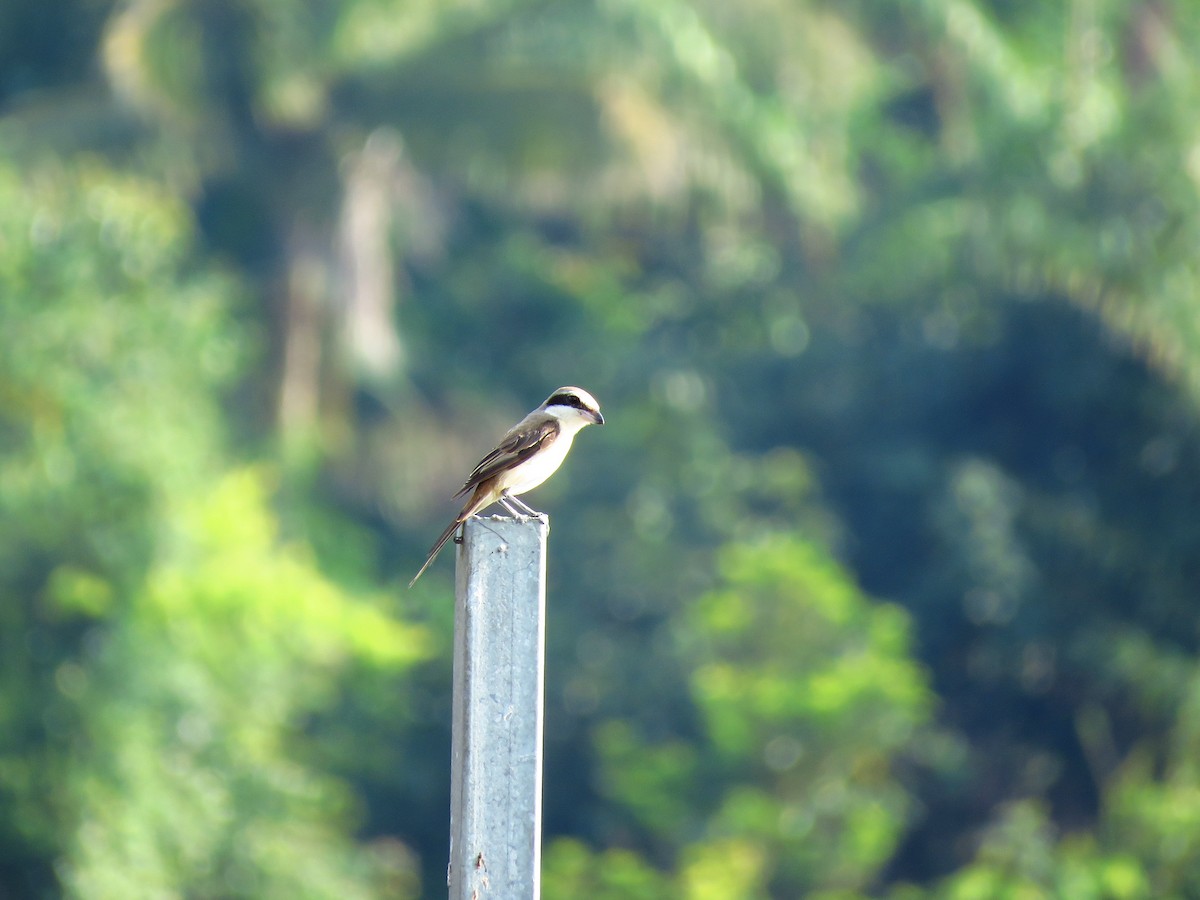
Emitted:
<point x="473" y="506"/>
<point x="437" y="547"/>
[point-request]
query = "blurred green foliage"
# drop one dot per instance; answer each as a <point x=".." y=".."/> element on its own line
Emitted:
<point x="93" y="450"/>
<point x="202" y="778"/>
<point x="881" y="581"/>
<point x="806" y="691"/>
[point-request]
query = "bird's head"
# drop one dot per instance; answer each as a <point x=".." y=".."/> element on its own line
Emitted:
<point x="572" y="404"/>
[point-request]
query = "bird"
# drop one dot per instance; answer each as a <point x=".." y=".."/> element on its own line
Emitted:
<point x="529" y="453"/>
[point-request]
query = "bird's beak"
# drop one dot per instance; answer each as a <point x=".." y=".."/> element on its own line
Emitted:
<point x="597" y="418"/>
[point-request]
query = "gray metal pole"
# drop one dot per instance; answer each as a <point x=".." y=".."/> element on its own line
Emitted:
<point x="496" y="753"/>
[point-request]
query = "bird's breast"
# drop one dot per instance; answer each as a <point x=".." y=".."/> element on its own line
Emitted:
<point x="536" y="469"/>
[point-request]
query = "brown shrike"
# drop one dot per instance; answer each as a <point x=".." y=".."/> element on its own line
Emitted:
<point x="527" y="455"/>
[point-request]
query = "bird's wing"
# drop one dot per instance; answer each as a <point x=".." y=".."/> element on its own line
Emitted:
<point x="524" y="440"/>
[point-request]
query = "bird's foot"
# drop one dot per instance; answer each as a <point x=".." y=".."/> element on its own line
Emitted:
<point x="518" y="508"/>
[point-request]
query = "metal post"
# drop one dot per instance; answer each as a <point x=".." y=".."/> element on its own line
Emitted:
<point x="496" y="754"/>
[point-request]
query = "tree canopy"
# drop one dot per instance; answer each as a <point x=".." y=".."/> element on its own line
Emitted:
<point x="882" y="581"/>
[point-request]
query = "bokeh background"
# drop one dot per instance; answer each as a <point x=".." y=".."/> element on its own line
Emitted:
<point x="884" y="578"/>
